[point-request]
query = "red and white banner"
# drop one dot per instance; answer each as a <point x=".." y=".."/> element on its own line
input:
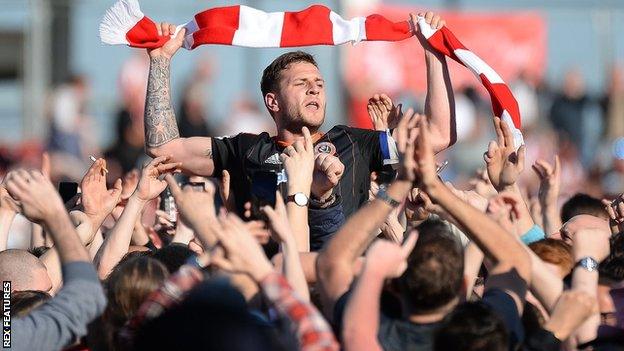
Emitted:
<point x="510" y="42"/>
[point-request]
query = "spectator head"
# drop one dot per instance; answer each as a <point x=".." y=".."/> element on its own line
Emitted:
<point x="24" y="270"/>
<point x="612" y="268"/>
<point x="472" y="326"/>
<point x="173" y="256"/>
<point x="294" y="91"/>
<point x="129" y="284"/>
<point x="22" y="302"/>
<point x="582" y="204"/>
<point x="127" y="287"/>
<point x="556" y="253"/>
<point x="214" y="315"/>
<point x="433" y="279"/>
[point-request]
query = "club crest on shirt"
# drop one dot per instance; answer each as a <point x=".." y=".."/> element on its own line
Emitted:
<point x="325" y="148"/>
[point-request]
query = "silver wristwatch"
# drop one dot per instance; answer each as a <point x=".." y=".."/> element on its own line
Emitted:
<point x="588" y="263"/>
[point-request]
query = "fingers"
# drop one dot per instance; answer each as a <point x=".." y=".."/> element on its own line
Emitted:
<point x="176" y="191"/>
<point x="168" y="167"/>
<point x="45" y="165"/>
<point x="158" y="160"/>
<point x="521" y="156"/>
<point x="409" y="243"/>
<point x="557" y="170"/>
<point x="507" y="135"/>
<point x="309" y="145"/>
<point x="499" y="132"/>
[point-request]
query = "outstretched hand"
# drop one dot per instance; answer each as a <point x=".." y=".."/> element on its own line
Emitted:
<point x="390" y="259"/>
<point x="151" y="185"/>
<point x="550" y="181"/>
<point x="243" y="254"/>
<point x="504" y="163"/>
<point x="383" y="113"/>
<point x="328" y="171"/>
<point x="98" y="201"/>
<point x="38" y="199"/>
<point x="298" y="161"/>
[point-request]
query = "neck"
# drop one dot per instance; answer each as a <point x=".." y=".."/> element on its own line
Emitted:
<point x="288" y="136"/>
<point x="433" y="316"/>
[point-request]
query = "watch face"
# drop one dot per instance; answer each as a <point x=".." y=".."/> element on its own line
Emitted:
<point x="301" y="199"/>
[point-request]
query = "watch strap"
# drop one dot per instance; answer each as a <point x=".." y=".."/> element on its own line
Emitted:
<point x="588" y="263"/>
<point x="383" y="196"/>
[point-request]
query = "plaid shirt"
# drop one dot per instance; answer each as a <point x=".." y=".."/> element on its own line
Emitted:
<point x="313" y="332"/>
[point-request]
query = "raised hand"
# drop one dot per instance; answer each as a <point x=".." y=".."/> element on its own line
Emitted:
<point x="390" y="259"/>
<point x="195" y="207"/>
<point x="405" y="136"/>
<point x="38" y="199"/>
<point x="550" y="181"/>
<point x="504" y="163"/>
<point x="615" y="209"/>
<point x="278" y="221"/>
<point x="98" y="201"/>
<point x="150" y="185"/>
<point x="7" y="203"/>
<point x="383" y="113"/>
<point x="589" y="236"/>
<point x="172" y="46"/>
<point x="482" y="185"/>
<point x="243" y="254"/>
<point x="298" y="161"/>
<point x="432" y="19"/>
<point x="327" y="173"/>
<point x="573" y="308"/>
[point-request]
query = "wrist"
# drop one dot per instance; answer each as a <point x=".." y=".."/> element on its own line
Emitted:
<point x="296" y="188"/>
<point x="321" y="195"/>
<point x="135" y="198"/>
<point x="261" y="271"/>
<point x="7" y="214"/>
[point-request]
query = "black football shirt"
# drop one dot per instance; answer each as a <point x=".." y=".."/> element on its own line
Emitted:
<point x="362" y="151"/>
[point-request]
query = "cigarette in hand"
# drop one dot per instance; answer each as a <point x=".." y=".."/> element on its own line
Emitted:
<point x="95" y="160"/>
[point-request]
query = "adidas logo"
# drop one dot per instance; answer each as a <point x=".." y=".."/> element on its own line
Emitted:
<point x="273" y="159"/>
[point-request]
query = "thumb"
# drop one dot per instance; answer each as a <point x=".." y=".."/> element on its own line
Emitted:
<point x="180" y="36"/>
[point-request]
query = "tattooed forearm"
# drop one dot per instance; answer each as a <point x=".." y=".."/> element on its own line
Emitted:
<point x="160" y="122"/>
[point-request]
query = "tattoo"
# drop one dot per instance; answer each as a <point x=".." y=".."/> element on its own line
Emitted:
<point x="159" y="119"/>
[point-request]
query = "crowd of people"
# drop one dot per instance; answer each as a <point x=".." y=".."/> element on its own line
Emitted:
<point x="308" y="240"/>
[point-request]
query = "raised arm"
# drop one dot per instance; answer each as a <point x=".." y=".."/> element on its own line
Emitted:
<point x="440" y="101"/>
<point x="384" y="260"/>
<point x="335" y="264"/>
<point x="116" y="244"/>
<point x="162" y="137"/>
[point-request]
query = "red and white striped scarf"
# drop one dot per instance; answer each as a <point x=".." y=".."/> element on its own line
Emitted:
<point x="240" y="25"/>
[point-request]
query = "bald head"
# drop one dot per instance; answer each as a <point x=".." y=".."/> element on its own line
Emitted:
<point x="24" y="270"/>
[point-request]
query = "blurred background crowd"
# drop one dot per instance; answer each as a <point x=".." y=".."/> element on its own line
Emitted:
<point x="61" y="90"/>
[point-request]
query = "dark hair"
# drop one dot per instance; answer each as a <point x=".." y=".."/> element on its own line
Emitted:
<point x="472" y="326"/>
<point x="39" y="251"/>
<point x="582" y="204"/>
<point x="612" y="267"/>
<point x="434" y="276"/>
<point x="272" y="73"/>
<point x="214" y="315"/>
<point x="22" y="302"/>
<point x="173" y="256"/>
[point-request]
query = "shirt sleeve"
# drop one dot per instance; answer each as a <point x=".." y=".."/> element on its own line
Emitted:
<point x="378" y="147"/>
<point x="225" y="153"/>
<point x="313" y="332"/>
<point x="63" y="319"/>
<point x="505" y="307"/>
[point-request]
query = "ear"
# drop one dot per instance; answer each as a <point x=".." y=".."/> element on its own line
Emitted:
<point x="271" y="103"/>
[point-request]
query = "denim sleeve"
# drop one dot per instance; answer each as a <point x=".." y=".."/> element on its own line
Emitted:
<point x="63" y="319"/>
<point x="324" y="222"/>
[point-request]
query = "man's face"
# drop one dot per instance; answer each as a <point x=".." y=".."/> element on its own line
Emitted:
<point x="301" y="97"/>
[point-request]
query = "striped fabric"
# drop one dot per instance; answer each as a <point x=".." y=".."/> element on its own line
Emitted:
<point x="240" y="25"/>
